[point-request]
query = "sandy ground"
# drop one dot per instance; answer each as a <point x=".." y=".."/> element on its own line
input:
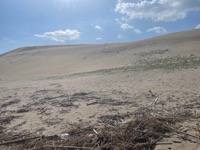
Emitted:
<point x="50" y="89"/>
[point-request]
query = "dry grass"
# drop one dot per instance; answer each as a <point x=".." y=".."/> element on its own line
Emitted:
<point x="145" y="132"/>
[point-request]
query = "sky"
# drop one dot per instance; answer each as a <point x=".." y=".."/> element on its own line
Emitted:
<point x="62" y="22"/>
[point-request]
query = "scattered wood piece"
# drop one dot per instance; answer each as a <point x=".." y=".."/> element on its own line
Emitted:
<point x="95" y="131"/>
<point x="153" y="103"/>
<point x="71" y="147"/>
<point x="176" y="141"/>
<point x="92" y="116"/>
<point x="19" y="140"/>
<point x="92" y="103"/>
<point x="152" y="94"/>
<point x="187" y="134"/>
<point x="27" y="139"/>
<point x="95" y="145"/>
<point x="145" y="131"/>
<point x="163" y="143"/>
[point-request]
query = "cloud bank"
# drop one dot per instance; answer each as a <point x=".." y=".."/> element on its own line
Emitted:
<point x="126" y="26"/>
<point x="157" y="30"/>
<point x="60" y="35"/>
<point x="157" y="10"/>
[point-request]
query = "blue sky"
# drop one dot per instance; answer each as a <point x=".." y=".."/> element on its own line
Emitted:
<point x="52" y="22"/>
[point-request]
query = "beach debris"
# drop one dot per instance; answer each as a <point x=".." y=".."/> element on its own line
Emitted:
<point x="15" y="101"/>
<point x="153" y="103"/>
<point x="95" y="132"/>
<point x="6" y="119"/>
<point x="24" y="109"/>
<point x="64" y="136"/>
<point x="145" y="130"/>
<point x="151" y="93"/>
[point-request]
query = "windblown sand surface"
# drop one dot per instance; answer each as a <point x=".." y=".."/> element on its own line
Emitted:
<point x="50" y="89"/>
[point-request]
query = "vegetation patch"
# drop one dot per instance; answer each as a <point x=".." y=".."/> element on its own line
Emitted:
<point x="170" y="63"/>
<point x="143" y="54"/>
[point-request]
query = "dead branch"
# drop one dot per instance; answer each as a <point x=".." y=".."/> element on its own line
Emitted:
<point x="180" y="132"/>
<point x="27" y="139"/>
<point x="72" y="147"/>
<point x="19" y="140"/>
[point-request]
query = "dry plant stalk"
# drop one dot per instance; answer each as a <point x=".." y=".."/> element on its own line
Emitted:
<point x="145" y="132"/>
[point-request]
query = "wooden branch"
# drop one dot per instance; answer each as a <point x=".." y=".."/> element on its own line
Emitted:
<point x="95" y="145"/>
<point x="179" y="132"/>
<point x="19" y="140"/>
<point x="72" y="147"/>
<point x="26" y="139"/>
<point x="163" y="143"/>
<point x="92" y="103"/>
<point x="188" y="134"/>
<point x="95" y="131"/>
<point x="176" y="141"/>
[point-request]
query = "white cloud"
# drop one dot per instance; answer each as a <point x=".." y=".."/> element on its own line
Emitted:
<point x="157" y="10"/>
<point x="98" y="38"/>
<point x="60" y="35"/>
<point x="97" y="27"/>
<point x="157" y="30"/>
<point x="126" y="26"/>
<point x="198" y="26"/>
<point x="119" y="36"/>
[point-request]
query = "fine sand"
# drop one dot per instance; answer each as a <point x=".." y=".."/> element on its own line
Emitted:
<point x="49" y="89"/>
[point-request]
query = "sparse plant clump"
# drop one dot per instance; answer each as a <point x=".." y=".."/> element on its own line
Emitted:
<point x="143" y="54"/>
<point x="170" y="63"/>
<point x="167" y="64"/>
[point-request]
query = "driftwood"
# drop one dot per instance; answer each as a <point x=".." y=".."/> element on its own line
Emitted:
<point x="95" y="132"/>
<point x="145" y="132"/>
<point x="19" y="140"/>
<point x="184" y="133"/>
<point x="27" y="139"/>
<point x="92" y="103"/>
<point x="153" y="103"/>
<point x="163" y="143"/>
<point x="71" y="147"/>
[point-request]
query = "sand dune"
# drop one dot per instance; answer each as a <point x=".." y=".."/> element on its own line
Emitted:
<point x="47" y="90"/>
<point x="59" y="60"/>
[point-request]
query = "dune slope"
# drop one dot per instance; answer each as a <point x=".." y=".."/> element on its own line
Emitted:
<point x="60" y="60"/>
